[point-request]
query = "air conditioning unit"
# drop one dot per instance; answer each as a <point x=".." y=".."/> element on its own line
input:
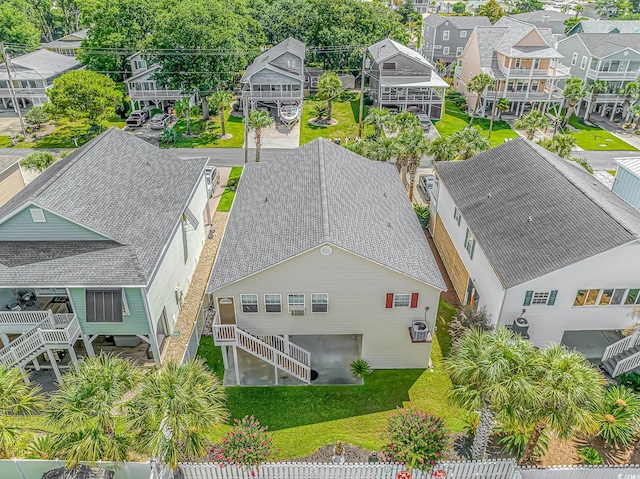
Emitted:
<point x="296" y="310"/>
<point x="419" y="331"/>
<point x="179" y="295"/>
<point x="521" y="326"/>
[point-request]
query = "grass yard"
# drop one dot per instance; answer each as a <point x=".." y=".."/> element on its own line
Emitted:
<point x="455" y="119"/>
<point x="227" y="196"/>
<point x="595" y="138"/>
<point x="347" y="114"/>
<point x="207" y="133"/>
<point x="306" y="418"/>
<point x="5" y="141"/>
<point x="62" y="136"/>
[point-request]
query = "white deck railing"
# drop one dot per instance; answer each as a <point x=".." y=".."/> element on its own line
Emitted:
<point x="287" y="347"/>
<point x="20" y="318"/>
<point x="620" y="346"/>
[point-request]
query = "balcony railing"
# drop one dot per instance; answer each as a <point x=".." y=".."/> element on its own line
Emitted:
<point x="605" y="97"/>
<point x="157" y="94"/>
<point x="524" y="95"/>
<point x="274" y="95"/>
<point x="555" y="70"/>
<point x="613" y="75"/>
<point x="24" y="92"/>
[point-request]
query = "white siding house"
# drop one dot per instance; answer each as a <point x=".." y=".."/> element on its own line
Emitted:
<point x="542" y="241"/>
<point x="323" y="261"/>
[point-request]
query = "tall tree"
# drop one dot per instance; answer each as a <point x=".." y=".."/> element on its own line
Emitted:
<point x="259" y="119"/>
<point x="17" y="30"/>
<point x="83" y="411"/>
<point x="414" y="145"/>
<point x="631" y="93"/>
<point x="571" y="22"/>
<point x="382" y="149"/>
<point x="82" y="94"/>
<point x="522" y="6"/>
<point x="532" y="122"/>
<point x="174" y="410"/>
<point x="221" y="101"/>
<point x="184" y="109"/>
<point x="491" y="9"/>
<point x="329" y="88"/>
<point x="574" y="92"/>
<point x="502" y="105"/>
<point x="467" y="143"/>
<point x="379" y="118"/>
<point x="477" y="85"/>
<point x="211" y="40"/>
<point x="404" y="120"/>
<point x="491" y="371"/>
<point x="596" y="88"/>
<point x="566" y="384"/>
<point x="441" y="149"/>
<point x="561" y="145"/>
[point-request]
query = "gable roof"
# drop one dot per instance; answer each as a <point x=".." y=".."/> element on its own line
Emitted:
<point x="291" y="45"/>
<point x="461" y="22"/>
<point x="608" y="26"/>
<point x="119" y="186"/>
<point x="73" y="40"/>
<point x="7" y="161"/>
<point x="322" y="193"/>
<point x="387" y="48"/>
<point x="540" y="214"/>
<point x="549" y="19"/>
<point x="40" y="64"/>
<point x="516" y="31"/>
<point x="632" y="165"/>
<point x="604" y="44"/>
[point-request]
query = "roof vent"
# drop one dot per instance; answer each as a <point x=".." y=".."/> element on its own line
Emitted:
<point x="389" y="225"/>
<point x="545" y="18"/>
<point x="489" y="195"/>
<point x="384" y="194"/>
<point x="266" y="199"/>
<point x="530" y="219"/>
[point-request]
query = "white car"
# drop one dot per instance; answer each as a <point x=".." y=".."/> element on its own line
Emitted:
<point x="213" y="179"/>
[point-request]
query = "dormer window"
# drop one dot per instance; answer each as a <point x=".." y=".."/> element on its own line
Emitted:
<point x="141" y="64"/>
<point x="389" y="66"/>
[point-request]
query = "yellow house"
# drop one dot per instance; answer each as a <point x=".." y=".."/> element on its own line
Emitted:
<point x="11" y="179"/>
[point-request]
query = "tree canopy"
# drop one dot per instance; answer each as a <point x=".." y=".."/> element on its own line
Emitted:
<point x="491" y="9"/>
<point x="16" y="28"/>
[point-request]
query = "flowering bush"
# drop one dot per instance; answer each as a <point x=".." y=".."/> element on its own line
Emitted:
<point x="247" y="444"/>
<point x="415" y="438"/>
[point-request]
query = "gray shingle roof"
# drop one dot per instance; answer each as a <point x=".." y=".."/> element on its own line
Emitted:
<point x="573" y="216"/>
<point x="605" y="44"/>
<point x="73" y="40"/>
<point x="388" y="48"/>
<point x="322" y="193"/>
<point x="605" y="26"/>
<point x="289" y="45"/>
<point x="488" y="40"/>
<point x="40" y="64"/>
<point x="461" y="23"/>
<point x="553" y="21"/>
<point x="7" y="161"/>
<point x="123" y="188"/>
<point x="516" y="31"/>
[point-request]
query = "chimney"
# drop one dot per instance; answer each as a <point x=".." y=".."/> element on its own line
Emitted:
<point x="545" y="18"/>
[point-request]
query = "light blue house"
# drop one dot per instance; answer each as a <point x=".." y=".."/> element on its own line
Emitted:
<point x="627" y="183"/>
<point x="98" y="251"/>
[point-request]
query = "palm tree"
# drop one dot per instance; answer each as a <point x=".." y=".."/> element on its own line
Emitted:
<point x="84" y="409"/>
<point x="566" y="384"/>
<point x="596" y="88"/>
<point x="477" y="85"/>
<point x="405" y="120"/>
<point x="378" y="118"/>
<point x="561" y="145"/>
<point x="184" y="108"/>
<point x="359" y="147"/>
<point x="467" y="143"/>
<point x="221" y="101"/>
<point x="491" y="371"/>
<point x="382" y="149"/>
<point x="578" y="9"/>
<point x="259" y="119"/>
<point x="502" y="105"/>
<point x="635" y="114"/>
<point x="329" y="87"/>
<point x="441" y="149"/>
<point x="16" y="398"/>
<point x="574" y="91"/>
<point x="414" y="145"/>
<point x="441" y="66"/>
<point x="531" y="122"/>
<point x="632" y="94"/>
<point x="174" y="410"/>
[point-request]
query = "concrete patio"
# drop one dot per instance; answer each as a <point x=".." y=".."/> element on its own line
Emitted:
<point x="331" y="358"/>
<point x="591" y="343"/>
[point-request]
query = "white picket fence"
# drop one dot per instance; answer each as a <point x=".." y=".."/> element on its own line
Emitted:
<point x="582" y="472"/>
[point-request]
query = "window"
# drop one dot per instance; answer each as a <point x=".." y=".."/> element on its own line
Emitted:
<point x="125" y="305"/>
<point x="445" y="51"/>
<point x="540" y="298"/>
<point x="586" y="297"/>
<point x="518" y="63"/>
<point x="632" y="296"/>
<point x="463" y="34"/>
<point x="605" y="66"/>
<point x="104" y="306"/>
<point x="319" y="302"/>
<point x="456" y="215"/>
<point x="438" y="47"/>
<point x="618" y="294"/>
<point x="296" y="302"/>
<point x="469" y="243"/>
<point x="445" y="35"/>
<point x="141" y="64"/>
<point x="389" y="66"/>
<point x="273" y="303"/>
<point x="185" y="246"/>
<point x="249" y="303"/>
<point x="37" y="215"/>
<point x="583" y="63"/>
<point x="545" y="297"/>
<point x="535" y="64"/>
<point x="459" y="51"/>
<point x="401" y="300"/>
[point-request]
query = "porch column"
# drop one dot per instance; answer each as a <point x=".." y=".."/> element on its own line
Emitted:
<point x="235" y="364"/>
<point x="613" y="110"/>
<point x="74" y="358"/>
<point x="54" y="365"/>
<point x="155" y="350"/>
<point x="36" y="364"/>
<point x="88" y="346"/>
<point x="26" y="376"/>
<point x="275" y="372"/>
<point x="225" y="359"/>
<point x="4" y="338"/>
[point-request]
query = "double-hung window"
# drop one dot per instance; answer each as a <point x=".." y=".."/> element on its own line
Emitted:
<point x="401" y="300"/>
<point x="574" y="59"/>
<point x="456" y="215"/>
<point x="249" y="303"/>
<point x="319" y="302"/>
<point x="273" y="303"/>
<point x="583" y="63"/>
<point x="463" y="34"/>
<point x="540" y="298"/>
<point x="445" y="51"/>
<point x="445" y="35"/>
<point x="296" y="302"/>
<point x="470" y="243"/>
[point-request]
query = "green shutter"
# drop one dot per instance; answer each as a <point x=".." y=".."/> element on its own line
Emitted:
<point x="527" y="298"/>
<point x="552" y="298"/>
<point x="466" y="237"/>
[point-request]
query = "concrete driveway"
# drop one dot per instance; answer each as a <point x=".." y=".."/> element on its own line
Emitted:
<point x="9" y="125"/>
<point x="277" y="136"/>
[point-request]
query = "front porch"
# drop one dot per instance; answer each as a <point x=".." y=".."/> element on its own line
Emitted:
<point x="331" y="358"/>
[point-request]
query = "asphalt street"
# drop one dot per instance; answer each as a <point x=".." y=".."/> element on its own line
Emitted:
<point x="605" y="160"/>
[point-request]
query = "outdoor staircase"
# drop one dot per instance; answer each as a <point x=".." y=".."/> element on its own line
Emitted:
<point x="272" y="349"/>
<point x="622" y="356"/>
<point x="55" y="331"/>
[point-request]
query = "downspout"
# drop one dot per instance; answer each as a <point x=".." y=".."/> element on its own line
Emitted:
<point x="153" y="339"/>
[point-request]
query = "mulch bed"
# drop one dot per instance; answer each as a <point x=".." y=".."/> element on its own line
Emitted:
<point x="352" y="454"/>
<point x="323" y="122"/>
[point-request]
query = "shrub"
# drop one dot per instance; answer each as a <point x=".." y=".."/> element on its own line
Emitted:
<point x="38" y="161"/>
<point x="320" y="110"/>
<point x="617" y="415"/>
<point x="467" y="318"/>
<point x="247" y="444"/>
<point x="416" y="438"/>
<point x="360" y="368"/>
<point x="514" y="439"/>
<point x="631" y="380"/>
<point x="36" y="117"/>
<point x="423" y="215"/>
<point x="154" y="111"/>
<point x="169" y="135"/>
<point x="232" y="184"/>
<point x="589" y="456"/>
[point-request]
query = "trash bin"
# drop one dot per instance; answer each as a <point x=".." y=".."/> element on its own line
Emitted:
<point x="336" y="141"/>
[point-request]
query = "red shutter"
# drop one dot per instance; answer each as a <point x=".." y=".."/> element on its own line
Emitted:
<point x="389" y="300"/>
<point x="414" y="300"/>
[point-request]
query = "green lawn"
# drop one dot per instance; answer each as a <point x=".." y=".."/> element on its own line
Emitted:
<point x="347" y="114"/>
<point x="612" y="172"/>
<point x="306" y="418"/>
<point x="208" y="131"/>
<point x="5" y="141"/>
<point x="62" y="136"/>
<point x="455" y="119"/>
<point x="227" y="196"/>
<point x="595" y="138"/>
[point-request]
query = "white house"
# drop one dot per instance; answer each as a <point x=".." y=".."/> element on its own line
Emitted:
<point x="526" y="234"/>
<point x="323" y="262"/>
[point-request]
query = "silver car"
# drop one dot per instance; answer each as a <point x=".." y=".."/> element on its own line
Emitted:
<point x="160" y="121"/>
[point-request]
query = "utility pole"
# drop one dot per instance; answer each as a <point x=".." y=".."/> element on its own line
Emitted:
<point x="245" y="109"/>
<point x="364" y="61"/>
<point x="493" y="107"/>
<point x="16" y="105"/>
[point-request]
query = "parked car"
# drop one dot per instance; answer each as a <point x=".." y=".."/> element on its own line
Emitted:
<point x="213" y="179"/>
<point x="425" y="185"/>
<point x="137" y="118"/>
<point x="160" y="121"/>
